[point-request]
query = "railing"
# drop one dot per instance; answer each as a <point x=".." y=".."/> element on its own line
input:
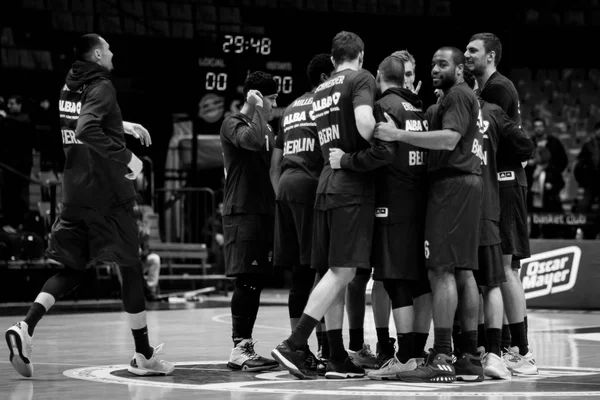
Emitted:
<point x="186" y="214"/>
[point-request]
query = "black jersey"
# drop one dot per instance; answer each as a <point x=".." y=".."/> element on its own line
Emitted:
<point x="500" y="90"/>
<point x="247" y="146"/>
<point x="333" y="109"/>
<point x="400" y="183"/>
<point x="458" y="111"/>
<point x="93" y="140"/>
<point x="302" y="160"/>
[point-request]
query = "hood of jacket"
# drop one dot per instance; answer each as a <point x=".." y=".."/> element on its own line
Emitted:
<point x="85" y="72"/>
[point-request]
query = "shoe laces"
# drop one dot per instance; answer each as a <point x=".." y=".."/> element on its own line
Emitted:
<point x="366" y="351"/>
<point x="248" y="350"/>
<point x="158" y="350"/>
<point x="392" y="361"/>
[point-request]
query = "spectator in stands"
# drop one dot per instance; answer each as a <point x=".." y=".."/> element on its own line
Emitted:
<point x="587" y="174"/>
<point x="546" y="184"/>
<point x="17" y="135"/>
<point x="542" y="138"/>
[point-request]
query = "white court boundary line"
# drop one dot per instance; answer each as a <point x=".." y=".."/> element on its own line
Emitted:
<point x="102" y="374"/>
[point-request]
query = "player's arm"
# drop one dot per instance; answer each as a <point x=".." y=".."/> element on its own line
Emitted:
<point x="247" y="135"/>
<point x="445" y="139"/>
<point x="377" y="155"/>
<point x="517" y="140"/>
<point x="362" y="100"/>
<point x="276" y="159"/>
<point x="98" y="102"/>
<point x="365" y="122"/>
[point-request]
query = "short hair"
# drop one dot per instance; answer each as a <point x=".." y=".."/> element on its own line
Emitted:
<point x="405" y="56"/>
<point x="469" y="78"/>
<point x="85" y="45"/>
<point x="538" y="119"/>
<point x="491" y="43"/>
<point x="391" y="70"/>
<point x="261" y="81"/>
<point x="346" y="46"/>
<point x="18" y="99"/>
<point x="320" y="64"/>
<point x="458" y="57"/>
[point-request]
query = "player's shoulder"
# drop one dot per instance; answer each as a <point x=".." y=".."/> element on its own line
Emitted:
<point x="460" y="91"/>
<point x="500" y="82"/>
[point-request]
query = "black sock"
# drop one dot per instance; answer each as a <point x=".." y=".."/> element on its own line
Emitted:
<point x="34" y="315"/>
<point x="506" y="339"/>
<point x="419" y="342"/>
<point x="301" y="333"/>
<point x="357" y="339"/>
<point x="320" y="335"/>
<point x="517" y="332"/>
<point x="406" y="345"/>
<point x="526" y="331"/>
<point x="325" y="347"/>
<point x="481" y="337"/>
<point x="442" y="340"/>
<point x="142" y="344"/>
<point x="469" y="342"/>
<point x="494" y="340"/>
<point x="337" y="352"/>
<point x="383" y="335"/>
<point x="240" y="329"/>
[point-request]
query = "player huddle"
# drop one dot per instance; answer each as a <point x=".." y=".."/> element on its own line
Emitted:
<point x="365" y="181"/>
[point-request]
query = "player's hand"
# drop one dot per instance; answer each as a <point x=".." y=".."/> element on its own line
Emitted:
<point x="138" y="132"/>
<point x="136" y="166"/>
<point x="386" y="130"/>
<point x="411" y="87"/>
<point x="335" y="158"/>
<point x="439" y="94"/>
<point x="219" y="239"/>
<point x="255" y="98"/>
<point x="524" y="164"/>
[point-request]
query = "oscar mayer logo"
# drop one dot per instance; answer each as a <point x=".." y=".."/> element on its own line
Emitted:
<point x="550" y="272"/>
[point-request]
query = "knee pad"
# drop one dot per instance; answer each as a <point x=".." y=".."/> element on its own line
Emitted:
<point x="133" y="289"/>
<point x="251" y="283"/>
<point x="303" y="278"/>
<point x="400" y="292"/>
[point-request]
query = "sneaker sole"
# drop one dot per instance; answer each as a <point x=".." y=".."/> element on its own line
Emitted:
<point x="529" y="372"/>
<point x="290" y="366"/>
<point x="236" y="367"/>
<point x="391" y="377"/>
<point x="437" y="379"/>
<point x="495" y="373"/>
<point x="19" y="362"/>
<point x="343" y="375"/>
<point x="469" y="378"/>
<point x="146" y="372"/>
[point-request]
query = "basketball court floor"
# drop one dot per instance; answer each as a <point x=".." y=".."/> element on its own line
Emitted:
<point x="82" y="352"/>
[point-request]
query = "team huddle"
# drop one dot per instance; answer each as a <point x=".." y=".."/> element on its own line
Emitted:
<point x="359" y="181"/>
<point x="365" y="181"/>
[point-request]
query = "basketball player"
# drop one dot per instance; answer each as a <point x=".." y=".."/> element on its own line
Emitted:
<point x="452" y="217"/>
<point x="248" y="212"/>
<point x="97" y="225"/>
<point x="344" y="207"/>
<point x="296" y="164"/>
<point x="483" y="54"/>
<point x="400" y="210"/>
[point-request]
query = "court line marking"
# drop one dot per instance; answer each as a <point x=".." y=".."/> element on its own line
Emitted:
<point x="52" y="363"/>
<point x="103" y="374"/>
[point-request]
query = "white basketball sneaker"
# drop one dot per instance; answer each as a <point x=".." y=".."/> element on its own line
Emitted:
<point x="142" y="366"/>
<point x="20" y="347"/>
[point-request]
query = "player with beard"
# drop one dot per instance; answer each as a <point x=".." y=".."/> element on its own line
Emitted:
<point x="97" y="225"/>
<point x="248" y="213"/>
<point x="400" y="210"/>
<point x="296" y="164"/>
<point x="452" y="219"/>
<point x="483" y="55"/>
<point x="344" y="207"/>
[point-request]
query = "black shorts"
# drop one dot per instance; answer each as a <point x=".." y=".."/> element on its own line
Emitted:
<point x="491" y="270"/>
<point x="342" y="237"/>
<point x="490" y="232"/>
<point x="83" y="237"/>
<point x="293" y="233"/>
<point x="515" y="262"/>
<point x="248" y="244"/>
<point x="397" y="251"/>
<point x="452" y="222"/>
<point x="513" y="221"/>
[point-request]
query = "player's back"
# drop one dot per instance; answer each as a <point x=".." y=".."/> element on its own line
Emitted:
<point x="302" y="160"/>
<point x="490" y="126"/>
<point x="333" y="109"/>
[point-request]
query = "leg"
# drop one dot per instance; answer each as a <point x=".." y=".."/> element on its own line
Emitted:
<point x="445" y="299"/>
<point x="422" y="322"/>
<point x="382" y="308"/>
<point x="514" y="299"/>
<point x="245" y="302"/>
<point x="303" y="278"/>
<point x="355" y="307"/>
